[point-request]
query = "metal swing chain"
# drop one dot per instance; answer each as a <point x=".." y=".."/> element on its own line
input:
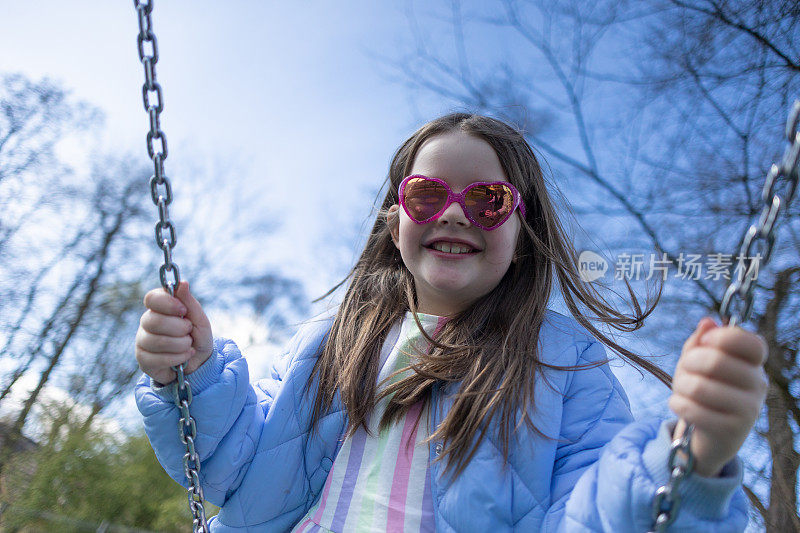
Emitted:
<point x="737" y="303"/>
<point x="161" y="194"/>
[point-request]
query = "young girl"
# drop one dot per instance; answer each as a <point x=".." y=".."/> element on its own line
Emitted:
<point x="444" y="395"/>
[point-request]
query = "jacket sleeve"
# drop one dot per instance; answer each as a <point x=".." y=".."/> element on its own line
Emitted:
<point x="608" y="468"/>
<point x="229" y="412"/>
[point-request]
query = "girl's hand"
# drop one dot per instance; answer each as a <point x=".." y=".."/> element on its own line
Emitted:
<point x="719" y="386"/>
<point x="173" y="330"/>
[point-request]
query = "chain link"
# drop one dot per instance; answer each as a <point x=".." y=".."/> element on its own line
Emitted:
<point x="737" y="303"/>
<point x="667" y="500"/>
<point x="166" y="238"/>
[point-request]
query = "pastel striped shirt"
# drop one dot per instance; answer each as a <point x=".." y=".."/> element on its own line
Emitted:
<point x="381" y="482"/>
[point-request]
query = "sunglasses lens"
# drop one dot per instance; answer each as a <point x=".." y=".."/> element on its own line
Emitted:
<point x="424" y="198"/>
<point x="489" y="205"/>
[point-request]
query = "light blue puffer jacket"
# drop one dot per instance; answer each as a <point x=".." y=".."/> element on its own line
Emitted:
<point x="264" y="467"/>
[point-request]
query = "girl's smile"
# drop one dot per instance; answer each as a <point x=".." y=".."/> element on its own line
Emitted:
<point x="453" y="262"/>
<point x="452" y="247"/>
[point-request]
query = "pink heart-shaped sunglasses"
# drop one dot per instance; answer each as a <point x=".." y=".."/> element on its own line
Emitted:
<point x="486" y="204"/>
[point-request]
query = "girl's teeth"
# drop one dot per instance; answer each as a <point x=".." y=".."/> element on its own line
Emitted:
<point x="451" y="248"/>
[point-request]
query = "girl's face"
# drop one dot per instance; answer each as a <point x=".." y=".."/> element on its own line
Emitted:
<point x="448" y="282"/>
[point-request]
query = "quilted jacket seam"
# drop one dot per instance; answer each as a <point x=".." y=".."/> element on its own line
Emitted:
<point x="297" y="420"/>
<point x="295" y="436"/>
<point x="576" y="343"/>
<point x="597" y="420"/>
<point x="279" y="445"/>
<point x="586" y="527"/>
<point x="522" y="481"/>
<point x="441" y="515"/>
<point x="526" y="513"/>
<point x="244" y="468"/>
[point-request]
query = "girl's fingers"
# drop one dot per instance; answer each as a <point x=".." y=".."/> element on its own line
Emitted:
<point x="160" y="301"/>
<point x="163" y="344"/>
<point x="719" y="366"/>
<point x="717" y="397"/>
<point x="709" y="420"/>
<point x="194" y="311"/>
<point x="173" y="331"/>
<point x="159" y="365"/>
<point x="159" y="324"/>
<point x="706" y="323"/>
<point x="748" y="347"/>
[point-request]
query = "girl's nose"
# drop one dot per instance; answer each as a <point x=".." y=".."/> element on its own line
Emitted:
<point x="454" y="215"/>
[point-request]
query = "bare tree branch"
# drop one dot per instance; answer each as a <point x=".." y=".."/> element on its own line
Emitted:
<point x="723" y="17"/>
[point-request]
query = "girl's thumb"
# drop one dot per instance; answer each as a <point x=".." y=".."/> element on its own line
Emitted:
<point x="194" y="311"/>
<point x="706" y="323"/>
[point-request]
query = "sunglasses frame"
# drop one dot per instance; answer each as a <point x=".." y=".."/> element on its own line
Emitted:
<point x="460" y="199"/>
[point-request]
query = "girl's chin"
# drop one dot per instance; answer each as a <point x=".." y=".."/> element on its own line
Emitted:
<point x="448" y="295"/>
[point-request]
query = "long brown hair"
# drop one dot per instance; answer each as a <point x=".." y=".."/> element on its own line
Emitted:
<point x="490" y="347"/>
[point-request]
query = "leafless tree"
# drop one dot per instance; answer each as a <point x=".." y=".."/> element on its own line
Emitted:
<point x="77" y="255"/>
